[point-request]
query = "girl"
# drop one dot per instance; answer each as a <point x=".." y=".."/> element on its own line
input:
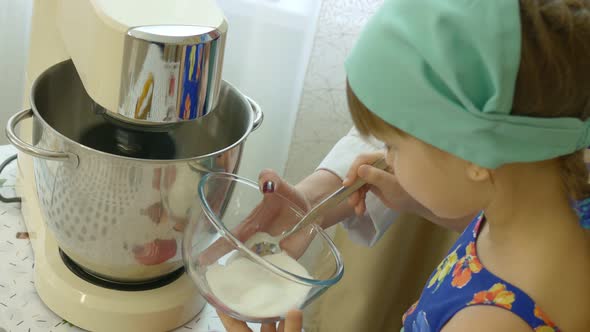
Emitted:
<point x="484" y="108"/>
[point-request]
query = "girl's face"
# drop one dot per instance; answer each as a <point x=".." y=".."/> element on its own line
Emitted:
<point x="448" y="186"/>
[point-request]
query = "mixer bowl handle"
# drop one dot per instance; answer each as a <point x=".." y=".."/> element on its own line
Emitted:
<point x="30" y="149"/>
<point x="258" y="115"/>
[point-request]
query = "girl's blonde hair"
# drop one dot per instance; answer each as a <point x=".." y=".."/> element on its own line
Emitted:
<point x="553" y="78"/>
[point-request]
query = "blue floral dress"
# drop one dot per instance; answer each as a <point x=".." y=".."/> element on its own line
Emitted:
<point x="461" y="281"/>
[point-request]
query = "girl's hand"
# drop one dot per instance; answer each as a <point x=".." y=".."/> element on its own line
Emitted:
<point x="383" y="183"/>
<point x="293" y="323"/>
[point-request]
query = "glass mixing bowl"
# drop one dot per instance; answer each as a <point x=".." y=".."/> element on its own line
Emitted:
<point x="231" y="276"/>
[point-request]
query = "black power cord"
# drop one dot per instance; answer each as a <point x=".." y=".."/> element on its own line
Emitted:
<point x="2" y="167"/>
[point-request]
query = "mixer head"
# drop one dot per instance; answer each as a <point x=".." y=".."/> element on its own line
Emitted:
<point x="148" y="63"/>
<point x="169" y="75"/>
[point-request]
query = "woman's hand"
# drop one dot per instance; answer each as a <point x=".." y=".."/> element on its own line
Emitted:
<point x="273" y="215"/>
<point x="293" y="323"/>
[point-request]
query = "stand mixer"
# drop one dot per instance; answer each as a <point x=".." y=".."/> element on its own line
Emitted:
<point x="151" y="77"/>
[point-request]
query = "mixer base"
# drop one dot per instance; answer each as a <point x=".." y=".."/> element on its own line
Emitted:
<point x="93" y="307"/>
<point x="109" y="284"/>
<point x="97" y="308"/>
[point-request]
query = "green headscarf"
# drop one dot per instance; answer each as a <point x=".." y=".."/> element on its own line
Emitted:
<point x="444" y="71"/>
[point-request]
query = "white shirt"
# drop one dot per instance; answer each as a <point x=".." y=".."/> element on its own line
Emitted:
<point x="368" y="228"/>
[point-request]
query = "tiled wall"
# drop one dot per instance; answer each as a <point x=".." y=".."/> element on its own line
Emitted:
<point x="323" y="115"/>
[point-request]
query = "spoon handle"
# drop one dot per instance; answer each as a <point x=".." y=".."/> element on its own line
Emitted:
<point x="333" y="200"/>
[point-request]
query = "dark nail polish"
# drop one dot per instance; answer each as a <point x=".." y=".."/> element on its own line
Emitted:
<point x="268" y="187"/>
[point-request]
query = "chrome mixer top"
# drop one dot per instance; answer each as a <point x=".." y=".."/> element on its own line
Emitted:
<point x="170" y="73"/>
<point x="146" y="63"/>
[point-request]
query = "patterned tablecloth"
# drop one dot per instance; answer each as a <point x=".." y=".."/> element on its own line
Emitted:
<point x="21" y="309"/>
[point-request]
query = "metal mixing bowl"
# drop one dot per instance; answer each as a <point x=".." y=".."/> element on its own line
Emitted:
<point x="117" y="199"/>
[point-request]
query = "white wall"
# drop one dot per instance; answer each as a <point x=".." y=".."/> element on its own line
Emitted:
<point x="268" y="47"/>
<point x="15" y="16"/>
<point x="323" y="116"/>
